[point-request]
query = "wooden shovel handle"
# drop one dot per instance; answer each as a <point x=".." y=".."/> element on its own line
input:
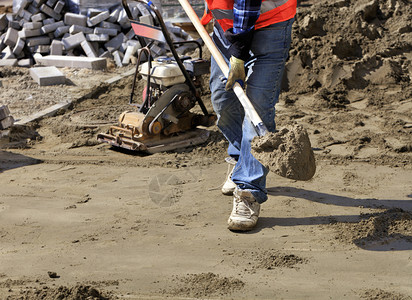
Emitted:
<point x="237" y="88"/>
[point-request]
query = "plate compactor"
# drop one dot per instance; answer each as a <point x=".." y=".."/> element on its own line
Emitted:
<point x="163" y="121"/>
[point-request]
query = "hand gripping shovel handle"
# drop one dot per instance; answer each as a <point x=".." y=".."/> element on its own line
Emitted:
<point x="250" y="111"/>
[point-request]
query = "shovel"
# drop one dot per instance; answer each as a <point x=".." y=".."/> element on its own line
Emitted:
<point x="250" y="111"/>
<point x="288" y="152"/>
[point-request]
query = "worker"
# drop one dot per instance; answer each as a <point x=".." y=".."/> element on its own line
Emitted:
<point x="254" y="37"/>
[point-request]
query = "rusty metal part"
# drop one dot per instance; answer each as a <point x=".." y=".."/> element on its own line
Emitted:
<point x="155" y="127"/>
<point x="158" y="143"/>
<point x="184" y="102"/>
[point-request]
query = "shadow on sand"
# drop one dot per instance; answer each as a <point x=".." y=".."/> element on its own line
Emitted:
<point x="10" y="160"/>
<point x="380" y="234"/>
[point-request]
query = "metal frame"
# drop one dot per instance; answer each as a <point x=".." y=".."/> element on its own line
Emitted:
<point x="153" y="10"/>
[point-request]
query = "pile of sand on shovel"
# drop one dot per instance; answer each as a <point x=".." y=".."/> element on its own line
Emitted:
<point x="287" y="153"/>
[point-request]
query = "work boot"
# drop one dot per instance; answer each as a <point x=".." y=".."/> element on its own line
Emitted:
<point x="229" y="186"/>
<point x="245" y="211"/>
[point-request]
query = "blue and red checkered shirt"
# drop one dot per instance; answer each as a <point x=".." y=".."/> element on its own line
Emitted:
<point x="245" y="14"/>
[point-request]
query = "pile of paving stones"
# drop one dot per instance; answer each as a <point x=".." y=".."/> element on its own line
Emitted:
<point x="6" y="120"/>
<point x="46" y="32"/>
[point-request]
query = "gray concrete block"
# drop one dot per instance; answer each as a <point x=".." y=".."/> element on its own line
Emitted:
<point x="97" y="19"/>
<point x="61" y="31"/>
<point x="8" y="62"/>
<point x="26" y="15"/>
<point x="2" y="44"/>
<point x="56" y="48"/>
<point x="115" y="43"/>
<point x="117" y="58"/>
<point x="96" y="46"/>
<point x="73" y="62"/>
<point x="38" y="17"/>
<point x="97" y="37"/>
<point x="123" y="47"/>
<point x="143" y="9"/>
<point x="3" y="22"/>
<point x="39" y="40"/>
<point x="15" y="25"/>
<point x="42" y="49"/>
<point x="124" y="20"/>
<point x="92" y="12"/>
<point x="105" y="24"/>
<point x="7" y="53"/>
<point x="4" y="112"/>
<point x="157" y="50"/>
<point x="76" y="29"/>
<point x="6" y="123"/>
<point x="108" y="31"/>
<point x="114" y="15"/>
<point x="32" y="25"/>
<point x="26" y="33"/>
<point x="37" y="55"/>
<point x="47" y="76"/>
<point x="59" y="7"/>
<point x="88" y="49"/>
<point x="130" y="51"/>
<point x="19" y="47"/>
<point x="51" y="27"/>
<point x="134" y="43"/>
<point x="21" y="6"/>
<point x="50" y="12"/>
<point x="75" y="19"/>
<point x="26" y="63"/>
<point x="51" y="3"/>
<point x="33" y="9"/>
<point x="70" y="53"/>
<point x="73" y="40"/>
<point x="22" y="22"/>
<point x="177" y="31"/>
<point x="49" y="21"/>
<point x="148" y="19"/>
<point x="11" y="37"/>
<point x="130" y="34"/>
<point x="38" y="3"/>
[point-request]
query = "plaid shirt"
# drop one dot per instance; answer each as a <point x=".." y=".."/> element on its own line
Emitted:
<point x="245" y="14"/>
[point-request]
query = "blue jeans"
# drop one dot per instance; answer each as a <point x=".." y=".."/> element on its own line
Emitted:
<point x="270" y="47"/>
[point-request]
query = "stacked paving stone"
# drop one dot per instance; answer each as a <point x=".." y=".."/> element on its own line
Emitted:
<point x="43" y="28"/>
<point x="6" y="120"/>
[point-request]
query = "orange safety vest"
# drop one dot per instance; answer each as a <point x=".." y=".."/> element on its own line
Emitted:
<point x="271" y="12"/>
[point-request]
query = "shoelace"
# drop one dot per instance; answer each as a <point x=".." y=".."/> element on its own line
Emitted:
<point x="243" y="207"/>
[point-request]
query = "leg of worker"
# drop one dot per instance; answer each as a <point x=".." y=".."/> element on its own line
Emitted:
<point x="270" y="49"/>
<point x="228" y="109"/>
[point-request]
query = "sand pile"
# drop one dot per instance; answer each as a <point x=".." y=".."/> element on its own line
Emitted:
<point x="350" y="44"/>
<point x="77" y="292"/>
<point x="287" y="153"/>
<point x="206" y="285"/>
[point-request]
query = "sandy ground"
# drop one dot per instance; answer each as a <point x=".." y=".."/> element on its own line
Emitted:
<point x="79" y="219"/>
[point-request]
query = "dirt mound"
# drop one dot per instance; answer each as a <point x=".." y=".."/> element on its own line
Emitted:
<point x="379" y="294"/>
<point x="206" y="285"/>
<point x="287" y="153"/>
<point x="351" y="44"/>
<point x="275" y="259"/>
<point x="78" y="292"/>
<point x="392" y="224"/>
